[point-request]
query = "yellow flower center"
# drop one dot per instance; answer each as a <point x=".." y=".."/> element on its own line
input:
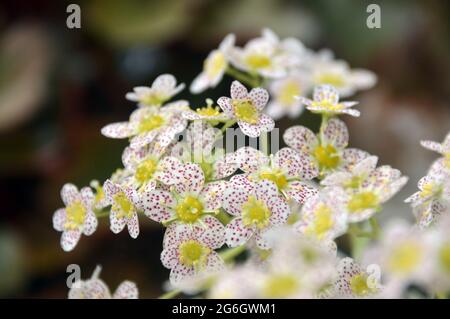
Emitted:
<point x="355" y="182"/>
<point x="99" y="194"/>
<point x="76" y="213"/>
<point x="150" y="122"/>
<point x="246" y="111"/>
<point x="153" y="99"/>
<point x="362" y="201"/>
<point x="257" y="61"/>
<point x="207" y="169"/>
<point x="193" y="254"/>
<point x="208" y="111"/>
<point x="427" y="190"/>
<point x="189" y="209"/>
<point x="405" y="257"/>
<point x="276" y="176"/>
<point x="326" y="156"/>
<point x="336" y="80"/>
<point x="145" y="170"/>
<point x="280" y="286"/>
<point x="122" y="205"/>
<point x="323" y="222"/>
<point x="255" y="212"/>
<point x="359" y="285"/>
<point x="288" y="92"/>
<point x="215" y="64"/>
<point x="444" y="257"/>
<point x="328" y="105"/>
<point x="447" y="159"/>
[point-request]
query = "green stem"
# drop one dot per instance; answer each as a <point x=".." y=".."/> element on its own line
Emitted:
<point x="376" y="230"/>
<point x="264" y="143"/>
<point x="170" y="294"/>
<point x="243" y="77"/>
<point x="231" y="253"/>
<point x="323" y="124"/>
<point x="102" y="213"/>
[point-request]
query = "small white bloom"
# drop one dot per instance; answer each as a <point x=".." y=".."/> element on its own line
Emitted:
<point x="163" y="89"/>
<point x="284" y="92"/>
<point x="245" y="107"/>
<point x="214" y="66"/>
<point x="95" y="288"/>
<point x="77" y="217"/>
<point x="326" y="70"/>
<point x="150" y="124"/>
<point x="267" y="55"/>
<point x="326" y="101"/>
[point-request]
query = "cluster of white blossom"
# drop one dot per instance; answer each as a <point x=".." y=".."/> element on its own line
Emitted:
<point x="290" y="211"/>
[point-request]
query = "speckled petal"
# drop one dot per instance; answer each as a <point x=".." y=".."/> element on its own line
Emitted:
<point x="133" y="226"/>
<point x="126" y="290"/>
<point x="212" y="194"/>
<point x="300" y="191"/>
<point x="69" y="239"/>
<point x="233" y="199"/>
<point x="236" y="234"/>
<point x="90" y="223"/>
<point x="117" y="130"/>
<point x="226" y="105"/>
<point x="169" y="257"/>
<point x="250" y="159"/>
<point x="300" y="138"/>
<point x="238" y="91"/>
<point x="259" y="98"/>
<point x="326" y="93"/>
<point x="59" y="219"/>
<point x="156" y="205"/>
<point x="193" y="179"/>
<point x="170" y="171"/>
<point x="336" y="133"/>
<point x="116" y="224"/>
<point x="69" y="194"/>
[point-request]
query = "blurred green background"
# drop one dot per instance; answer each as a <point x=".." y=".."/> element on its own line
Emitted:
<point x="59" y="86"/>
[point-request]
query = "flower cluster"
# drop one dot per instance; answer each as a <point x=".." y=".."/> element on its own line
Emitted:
<point x="303" y="213"/>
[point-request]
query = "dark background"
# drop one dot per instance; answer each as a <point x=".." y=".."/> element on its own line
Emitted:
<point x="58" y="87"/>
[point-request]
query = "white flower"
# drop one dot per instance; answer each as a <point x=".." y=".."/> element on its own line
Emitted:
<point x="124" y="210"/>
<point x="150" y="124"/>
<point x="163" y="89"/>
<point x="190" y="201"/>
<point x="326" y="101"/>
<point x="100" y="200"/>
<point x="246" y="108"/>
<point x="236" y="283"/>
<point x="256" y="209"/>
<point x="147" y="166"/>
<point x="367" y="187"/>
<point x="404" y="254"/>
<point x="441" y="148"/>
<point x="267" y="55"/>
<point x="199" y="147"/>
<point x="95" y="288"/>
<point x="208" y="113"/>
<point x="288" y="169"/>
<point x="284" y="92"/>
<point x="355" y="282"/>
<point x="328" y="151"/>
<point x="326" y="70"/>
<point x="77" y="217"/>
<point x="323" y="216"/>
<point x="214" y="66"/>
<point x="189" y="251"/>
<point x="433" y="198"/>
